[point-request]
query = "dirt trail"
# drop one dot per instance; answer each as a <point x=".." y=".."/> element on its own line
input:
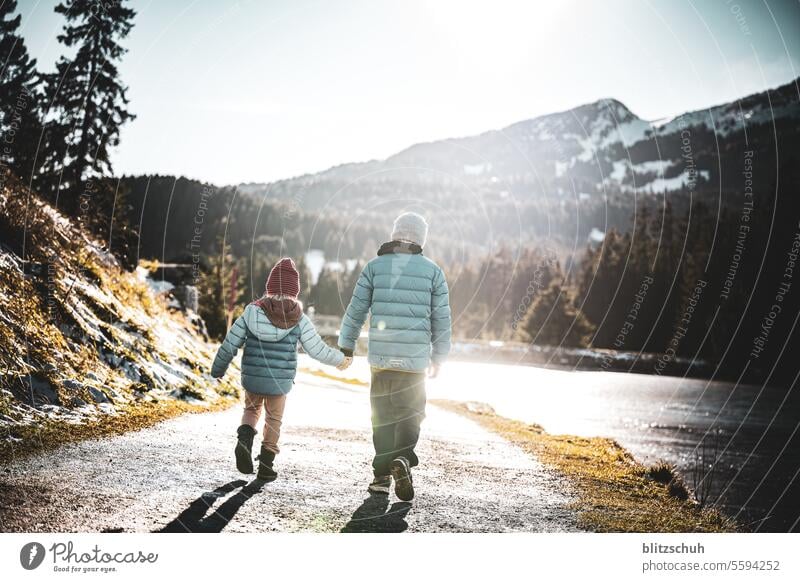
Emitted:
<point x="179" y="476"/>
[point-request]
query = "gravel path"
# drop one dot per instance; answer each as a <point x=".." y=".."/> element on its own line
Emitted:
<point x="179" y="476"/>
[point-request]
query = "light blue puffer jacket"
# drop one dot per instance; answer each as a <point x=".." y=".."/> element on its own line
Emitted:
<point x="269" y="361"/>
<point x="407" y="299"/>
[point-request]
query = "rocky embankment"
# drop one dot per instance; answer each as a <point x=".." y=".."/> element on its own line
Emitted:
<point x="84" y="342"/>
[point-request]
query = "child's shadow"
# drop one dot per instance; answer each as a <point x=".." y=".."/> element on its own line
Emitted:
<point x="372" y="516"/>
<point x="193" y="519"/>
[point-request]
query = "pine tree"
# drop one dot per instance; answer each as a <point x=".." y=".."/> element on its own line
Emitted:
<point x="305" y="277"/>
<point x="114" y="224"/>
<point x="324" y="295"/>
<point x="87" y="98"/>
<point x="600" y="274"/>
<point x="221" y="289"/>
<point x="20" y="124"/>
<point x="554" y="320"/>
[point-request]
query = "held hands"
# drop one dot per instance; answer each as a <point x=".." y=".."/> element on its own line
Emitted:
<point x="345" y="363"/>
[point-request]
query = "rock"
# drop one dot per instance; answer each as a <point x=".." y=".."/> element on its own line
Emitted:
<point x="112" y="359"/>
<point x="71" y="384"/>
<point x="113" y="394"/>
<point x="93" y="376"/>
<point x="42" y="392"/>
<point x="98" y="395"/>
<point x="77" y="402"/>
<point x="132" y="373"/>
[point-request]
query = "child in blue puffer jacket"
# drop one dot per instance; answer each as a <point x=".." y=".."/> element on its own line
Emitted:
<point x="269" y="330"/>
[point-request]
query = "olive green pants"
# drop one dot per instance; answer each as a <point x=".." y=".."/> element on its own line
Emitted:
<point x="398" y="408"/>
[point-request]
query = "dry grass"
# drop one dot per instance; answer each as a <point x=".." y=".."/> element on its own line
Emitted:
<point x="614" y="492"/>
<point x="323" y="374"/>
<point x="51" y="434"/>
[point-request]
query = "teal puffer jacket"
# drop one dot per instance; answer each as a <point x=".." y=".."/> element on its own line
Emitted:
<point x="407" y="299"/>
<point x="269" y="361"/>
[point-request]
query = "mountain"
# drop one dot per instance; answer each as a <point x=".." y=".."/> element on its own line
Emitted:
<point x="560" y="175"/>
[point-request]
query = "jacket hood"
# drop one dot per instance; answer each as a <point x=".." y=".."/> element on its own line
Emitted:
<point x="260" y="326"/>
<point x="282" y="312"/>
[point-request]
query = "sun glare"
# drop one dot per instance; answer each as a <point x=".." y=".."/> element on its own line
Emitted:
<point x="500" y="34"/>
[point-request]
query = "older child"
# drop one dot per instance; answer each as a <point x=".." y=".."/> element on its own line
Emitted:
<point x="269" y="330"/>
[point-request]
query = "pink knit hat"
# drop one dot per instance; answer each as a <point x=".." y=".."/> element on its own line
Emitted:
<point x="284" y="279"/>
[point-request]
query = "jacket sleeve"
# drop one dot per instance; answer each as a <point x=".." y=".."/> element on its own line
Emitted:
<point x="440" y="319"/>
<point x="357" y="311"/>
<point x="234" y="340"/>
<point x="315" y="346"/>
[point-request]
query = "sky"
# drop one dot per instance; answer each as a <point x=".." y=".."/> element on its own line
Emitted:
<point x="256" y="90"/>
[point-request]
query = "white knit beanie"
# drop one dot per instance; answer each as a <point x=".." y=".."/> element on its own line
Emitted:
<point x="410" y="227"/>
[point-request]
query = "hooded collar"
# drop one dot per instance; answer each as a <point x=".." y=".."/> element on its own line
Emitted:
<point x="283" y="313"/>
<point x="399" y="247"/>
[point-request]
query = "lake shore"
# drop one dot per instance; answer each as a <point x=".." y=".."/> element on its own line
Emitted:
<point x="615" y="493"/>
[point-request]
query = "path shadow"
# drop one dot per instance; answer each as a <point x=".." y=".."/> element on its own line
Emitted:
<point x="193" y="519"/>
<point x="375" y="516"/>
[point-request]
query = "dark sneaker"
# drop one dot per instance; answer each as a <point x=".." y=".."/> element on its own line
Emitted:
<point x="381" y="484"/>
<point x="265" y="470"/>
<point x="403" y="483"/>
<point x="244" y="448"/>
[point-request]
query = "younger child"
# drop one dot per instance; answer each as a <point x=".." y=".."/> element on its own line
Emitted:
<point x="269" y="330"/>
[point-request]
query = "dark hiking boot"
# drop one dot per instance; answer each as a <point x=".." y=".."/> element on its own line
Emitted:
<point x="403" y="483"/>
<point x="265" y="470"/>
<point x="381" y="484"/>
<point x="244" y="448"/>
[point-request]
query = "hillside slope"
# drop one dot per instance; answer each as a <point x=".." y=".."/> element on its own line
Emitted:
<point x="84" y="343"/>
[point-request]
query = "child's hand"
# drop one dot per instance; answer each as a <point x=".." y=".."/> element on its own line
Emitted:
<point x="345" y="363"/>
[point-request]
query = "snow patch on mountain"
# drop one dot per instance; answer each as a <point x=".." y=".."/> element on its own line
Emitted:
<point x="682" y="180"/>
<point x="653" y="166"/>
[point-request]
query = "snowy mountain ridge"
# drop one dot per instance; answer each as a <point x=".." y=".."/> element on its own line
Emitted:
<point x="602" y="141"/>
<point x="564" y="173"/>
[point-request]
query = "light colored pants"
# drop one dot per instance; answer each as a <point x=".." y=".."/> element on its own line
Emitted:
<point x="273" y="406"/>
